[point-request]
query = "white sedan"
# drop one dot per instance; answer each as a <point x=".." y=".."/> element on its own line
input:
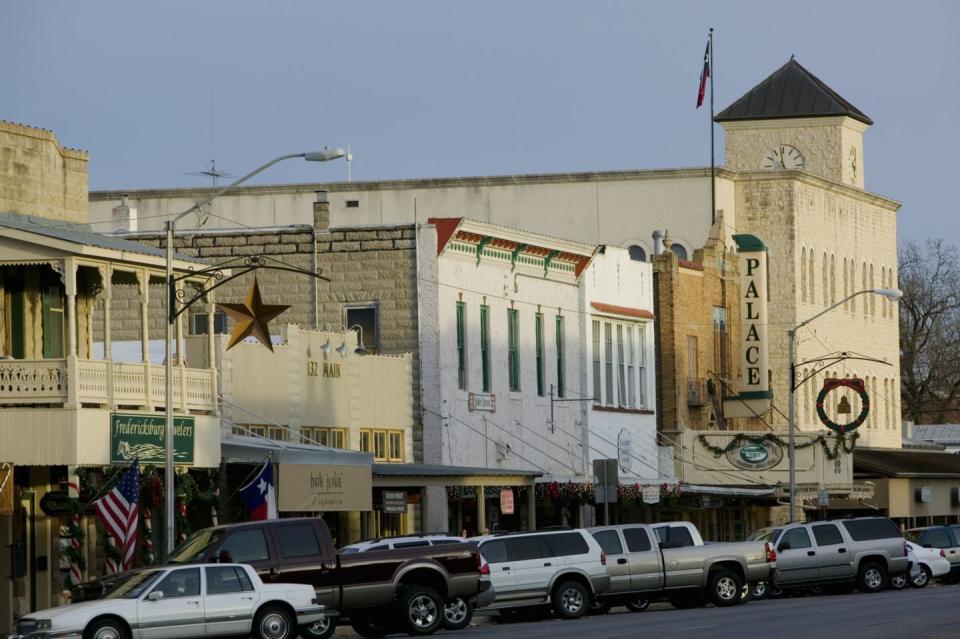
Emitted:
<point x="926" y="564"/>
<point x="177" y="602"/>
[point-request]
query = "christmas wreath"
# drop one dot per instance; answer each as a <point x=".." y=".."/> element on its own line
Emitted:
<point x="859" y="388"/>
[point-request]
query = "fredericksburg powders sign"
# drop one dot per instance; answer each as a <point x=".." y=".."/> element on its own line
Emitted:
<point x="754" y="397"/>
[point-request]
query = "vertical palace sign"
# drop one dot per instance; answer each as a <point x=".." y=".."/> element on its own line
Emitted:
<point x="754" y="396"/>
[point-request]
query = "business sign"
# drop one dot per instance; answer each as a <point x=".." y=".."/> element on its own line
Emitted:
<point x="395" y="501"/>
<point x="755" y="454"/>
<point x="651" y="494"/>
<point x="506" y="501"/>
<point x="486" y="402"/>
<point x="142" y="436"/>
<point x="625" y="450"/>
<point x="823" y="498"/>
<point x="311" y="488"/>
<point x="754" y="396"/>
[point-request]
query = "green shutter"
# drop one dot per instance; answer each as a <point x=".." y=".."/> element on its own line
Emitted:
<point x="560" y="357"/>
<point x="514" y="355"/>
<point x="485" y="346"/>
<point x="461" y="348"/>
<point x="539" y="329"/>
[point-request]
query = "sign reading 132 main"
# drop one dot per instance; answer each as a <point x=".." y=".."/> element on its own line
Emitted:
<point x="143" y="436"/>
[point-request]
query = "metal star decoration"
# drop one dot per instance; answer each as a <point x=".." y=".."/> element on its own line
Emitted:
<point x="251" y="317"/>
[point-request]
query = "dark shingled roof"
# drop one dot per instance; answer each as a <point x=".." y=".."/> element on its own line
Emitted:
<point x="790" y="92"/>
<point x="876" y="462"/>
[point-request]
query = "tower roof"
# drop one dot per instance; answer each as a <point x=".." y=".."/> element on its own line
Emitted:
<point x="790" y="92"/>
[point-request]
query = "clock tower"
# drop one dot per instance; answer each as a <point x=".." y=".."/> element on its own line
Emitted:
<point x="792" y="121"/>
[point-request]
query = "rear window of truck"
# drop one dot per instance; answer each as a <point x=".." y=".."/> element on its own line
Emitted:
<point x="870" y="529"/>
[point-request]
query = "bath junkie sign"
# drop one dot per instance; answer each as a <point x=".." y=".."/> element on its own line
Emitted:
<point x="754" y="397"/>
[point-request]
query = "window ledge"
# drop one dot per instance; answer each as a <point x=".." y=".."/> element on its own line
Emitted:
<point x="630" y="411"/>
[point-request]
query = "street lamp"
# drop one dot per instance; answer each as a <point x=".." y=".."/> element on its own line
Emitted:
<point x="169" y="502"/>
<point x="892" y="294"/>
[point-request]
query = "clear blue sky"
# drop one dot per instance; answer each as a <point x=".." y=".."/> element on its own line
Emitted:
<point x="421" y="89"/>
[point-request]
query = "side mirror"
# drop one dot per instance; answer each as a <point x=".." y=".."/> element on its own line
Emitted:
<point x="785" y="545"/>
<point x="156" y="595"/>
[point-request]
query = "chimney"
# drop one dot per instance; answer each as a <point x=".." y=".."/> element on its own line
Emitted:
<point x="657" y="242"/>
<point x="124" y="217"/>
<point x="321" y="211"/>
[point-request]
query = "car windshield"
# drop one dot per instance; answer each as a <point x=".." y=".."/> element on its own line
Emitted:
<point x="134" y="585"/>
<point x="765" y="534"/>
<point x="194" y="547"/>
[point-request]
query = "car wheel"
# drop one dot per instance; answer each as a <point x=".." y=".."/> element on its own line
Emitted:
<point x="922" y="579"/>
<point x="422" y="610"/>
<point x="273" y="622"/>
<point x="369" y="628"/>
<point x="638" y="605"/>
<point x="760" y="590"/>
<point x="746" y="593"/>
<point x="899" y="581"/>
<point x="570" y="600"/>
<point x="724" y="588"/>
<point x="106" y="629"/>
<point x="322" y="629"/>
<point x="457" y="614"/>
<point x="872" y="577"/>
<point x="598" y="607"/>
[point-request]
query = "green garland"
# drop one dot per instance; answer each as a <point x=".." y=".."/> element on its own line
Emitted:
<point x="832" y="451"/>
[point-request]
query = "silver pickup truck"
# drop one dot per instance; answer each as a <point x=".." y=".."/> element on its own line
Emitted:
<point x="645" y="563"/>
<point x="864" y="551"/>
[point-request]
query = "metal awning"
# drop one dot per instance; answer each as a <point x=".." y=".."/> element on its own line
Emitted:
<point x="436" y="475"/>
<point x="734" y="491"/>
<point x="239" y="449"/>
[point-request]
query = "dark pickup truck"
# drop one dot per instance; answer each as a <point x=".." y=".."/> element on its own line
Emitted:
<point x="403" y="589"/>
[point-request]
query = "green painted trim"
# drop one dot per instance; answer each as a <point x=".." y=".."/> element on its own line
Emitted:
<point x="483" y="242"/>
<point x="516" y="252"/>
<point x="547" y="260"/>
<point x="749" y="243"/>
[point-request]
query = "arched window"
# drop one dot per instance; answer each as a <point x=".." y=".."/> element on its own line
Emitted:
<point x="826" y="290"/>
<point x="873" y="393"/>
<point x="637" y="254"/>
<point x="803" y="275"/>
<point x="810" y="280"/>
<point x="679" y="251"/>
<point x="846" y="285"/>
<point x="873" y="298"/>
<point x="883" y="282"/>
<point x="833" y="280"/>
<point x="853" y="285"/>
<point x="863" y="277"/>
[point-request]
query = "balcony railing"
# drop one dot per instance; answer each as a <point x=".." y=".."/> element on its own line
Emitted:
<point x="101" y="382"/>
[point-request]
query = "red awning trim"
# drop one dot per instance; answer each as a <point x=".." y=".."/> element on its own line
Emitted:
<point x="626" y="311"/>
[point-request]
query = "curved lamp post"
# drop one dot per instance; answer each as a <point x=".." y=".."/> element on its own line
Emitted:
<point x="892" y="294"/>
<point x="170" y="494"/>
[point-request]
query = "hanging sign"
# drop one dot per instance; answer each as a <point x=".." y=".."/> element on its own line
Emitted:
<point x="142" y="436"/>
<point x="506" y="501"/>
<point x="651" y="494"/>
<point x="857" y="385"/>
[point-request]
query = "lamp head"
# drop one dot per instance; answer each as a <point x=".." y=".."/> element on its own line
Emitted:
<point x="342" y="349"/>
<point x="324" y="155"/>
<point x="326" y="347"/>
<point x="892" y="294"/>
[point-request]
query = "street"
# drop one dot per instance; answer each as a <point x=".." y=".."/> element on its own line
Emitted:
<point x="914" y="614"/>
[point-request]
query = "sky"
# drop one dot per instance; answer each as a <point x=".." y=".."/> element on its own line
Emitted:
<point x="441" y="88"/>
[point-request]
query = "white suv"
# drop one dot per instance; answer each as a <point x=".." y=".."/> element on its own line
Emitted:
<point x="565" y="569"/>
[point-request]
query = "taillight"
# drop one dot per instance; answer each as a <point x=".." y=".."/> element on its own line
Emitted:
<point x="603" y="558"/>
<point x="482" y="565"/>
<point x="943" y="554"/>
<point x="771" y="553"/>
<point x="906" y="549"/>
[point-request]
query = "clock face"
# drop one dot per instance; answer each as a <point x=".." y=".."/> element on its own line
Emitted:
<point x="783" y="157"/>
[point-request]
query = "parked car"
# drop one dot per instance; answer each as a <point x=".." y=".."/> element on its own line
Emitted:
<point x="564" y="569"/>
<point x="864" y="552"/>
<point x="671" y="560"/>
<point x="945" y="538"/>
<point x="458" y="611"/>
<point x="925" y="564"/>
<point x="377" y="591"/>
<point x="205" y="600"/>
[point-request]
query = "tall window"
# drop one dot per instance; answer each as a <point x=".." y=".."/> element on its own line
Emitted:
<point x="873" y="298"/>
<point x="608" y="361"/>
<point x="485" y="347"/>
<point x="803" y="274"/>
<point x="621" y="364"/>
<point x="461" y="346"/>
<point x="833" y="280"/>
<point x="641" y="364"/>
<point x="846" y="285"/>
<point x="513" y="359"/>
<point x="863" y="276"/>
<point x="538" y="327"/>
<point x="561" y="358"/>
<point x="53" y="322"/>
<point x="691" y="356"/>
<point x="826" y="289"/>
<point x="631" y="380"/>
<point x="810" y="280"/>
<point x="597" y="375"/>
<point x="720" y="340"/>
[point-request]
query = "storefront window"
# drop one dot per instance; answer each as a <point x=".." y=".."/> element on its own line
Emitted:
<point x="396" y="446"/>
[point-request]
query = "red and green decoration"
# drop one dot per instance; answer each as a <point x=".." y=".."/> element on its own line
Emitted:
<point x="859" y="388"/>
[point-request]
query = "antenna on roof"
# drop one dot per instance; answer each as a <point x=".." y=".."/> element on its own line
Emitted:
<point x="212" y="171"/>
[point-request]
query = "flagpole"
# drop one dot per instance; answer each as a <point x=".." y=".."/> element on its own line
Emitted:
<point x="713" y="181"/>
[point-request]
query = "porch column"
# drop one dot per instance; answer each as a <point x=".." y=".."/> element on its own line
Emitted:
<point x="212" y="353"/>
<point x="481" y="509"/>
<point x="531" y="507"/>
<point x="73" y="368"/>
<point x="181" y="355"/>
<point x="107" y="292"/>
<point x="143" y="286"/>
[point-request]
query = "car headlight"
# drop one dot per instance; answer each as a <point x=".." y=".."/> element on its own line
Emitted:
<point x="43" y="624"/>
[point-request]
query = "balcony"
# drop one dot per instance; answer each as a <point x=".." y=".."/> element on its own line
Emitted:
<point x="104" y="383"/>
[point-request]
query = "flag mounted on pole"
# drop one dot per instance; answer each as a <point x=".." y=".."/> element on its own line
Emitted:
<point x="118" y="510"/>
<point x="706" y="73"/>
<point x="260" y="495"/>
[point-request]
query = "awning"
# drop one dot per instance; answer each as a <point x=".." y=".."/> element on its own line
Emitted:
<point x="239" y="449"/>
<point x="398" y="475"/>
<point x="875" y="462"/>
<point x="734" y="491"/>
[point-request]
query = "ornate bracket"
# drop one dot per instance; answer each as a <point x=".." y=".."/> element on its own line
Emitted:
<point x="482" y="243"/>
<point x="548" y="259"/>
<point x="826" y="361"/>
<point x="213" y="278"/>
<point x="515" y="254"/>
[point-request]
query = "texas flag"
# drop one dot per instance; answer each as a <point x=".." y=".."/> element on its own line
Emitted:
<point x="260" y="495"/>
<point x="706" y="73"/>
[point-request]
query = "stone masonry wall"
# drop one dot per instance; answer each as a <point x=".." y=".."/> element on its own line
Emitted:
<point x="39" y="177"/>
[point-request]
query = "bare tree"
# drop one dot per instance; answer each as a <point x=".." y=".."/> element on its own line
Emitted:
<point x="929" y="331"/>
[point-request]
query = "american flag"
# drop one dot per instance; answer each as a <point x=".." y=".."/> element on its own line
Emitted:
<point x="119" y="513"/>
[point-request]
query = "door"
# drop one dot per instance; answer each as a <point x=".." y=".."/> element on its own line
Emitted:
<point x="229" y="601"/>
<point x="834" y="559"/>
<point x="533" y="565"/>
<point x="646" y="570"/>
<point x="796" y="558"/>
<point x="248" y="546"/>
<point x="178" y="612"/>
<point x="495" y="554"/>
<point x="299" y="561"/>
<point x="618" y="566"/>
